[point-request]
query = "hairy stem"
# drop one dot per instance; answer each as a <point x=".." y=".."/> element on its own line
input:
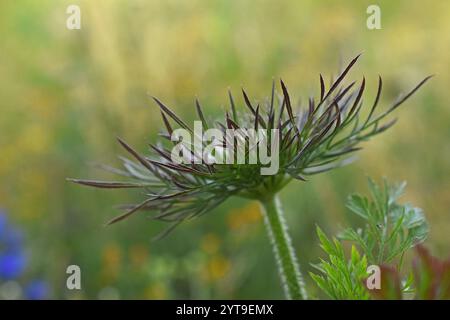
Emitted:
<point x="288" y="267"/>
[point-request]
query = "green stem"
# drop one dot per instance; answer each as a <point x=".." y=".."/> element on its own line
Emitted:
<point x="288" y="267"/>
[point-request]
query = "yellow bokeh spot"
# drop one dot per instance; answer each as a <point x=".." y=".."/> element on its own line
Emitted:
<point x="138" y="255"/>
<point x="247" y="215"/>
<point x="217" y="268"/>
<point x="157" y="291"/>
<point x="35" y="139"/>
<point x="210" y="243"/>
<point x="111" y="262"/>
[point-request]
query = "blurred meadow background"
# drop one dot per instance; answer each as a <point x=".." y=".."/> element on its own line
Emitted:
<point x="66" y="95"/>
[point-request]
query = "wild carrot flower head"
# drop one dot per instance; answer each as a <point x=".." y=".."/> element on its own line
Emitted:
<point x="304" y="139"/>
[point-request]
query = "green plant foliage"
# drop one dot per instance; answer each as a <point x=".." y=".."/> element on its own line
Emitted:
<point x="390" y="228"/>
<point x="339" y="277"/>
<point x="430" y="279"/>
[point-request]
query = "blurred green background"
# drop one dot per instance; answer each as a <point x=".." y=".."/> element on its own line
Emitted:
<point x="66" y="95"/>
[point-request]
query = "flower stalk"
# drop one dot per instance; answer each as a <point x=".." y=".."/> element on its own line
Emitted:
<point x="313" y="138"/>
<point x="287" y="263"/>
